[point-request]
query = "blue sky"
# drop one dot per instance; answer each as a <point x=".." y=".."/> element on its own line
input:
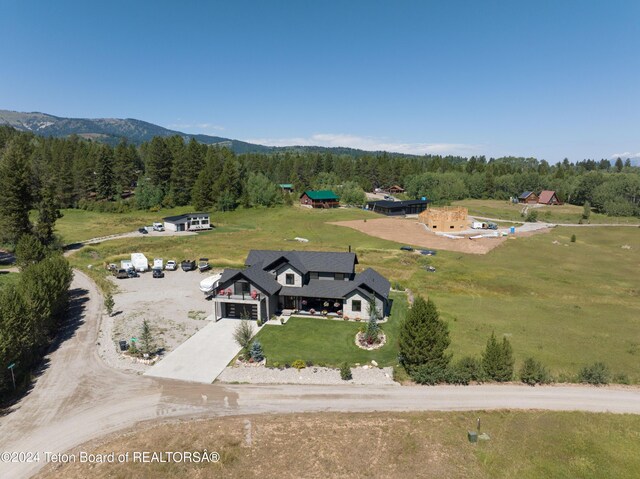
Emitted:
<point x="550" y="79"/>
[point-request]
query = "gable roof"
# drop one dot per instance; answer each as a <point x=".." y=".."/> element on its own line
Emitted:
<point x="305" y="261"/>
<point x="255" y="275"/>
<point x="321" y="195"/>
<point x="374" y="281"/>
<point x="525" y="195"/>
<point x="546" y="196"/>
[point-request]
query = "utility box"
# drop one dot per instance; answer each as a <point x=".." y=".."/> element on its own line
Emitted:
<point x="472" y="436"/>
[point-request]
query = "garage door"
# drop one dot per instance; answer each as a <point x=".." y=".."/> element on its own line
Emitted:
<point x="241" y="310"/>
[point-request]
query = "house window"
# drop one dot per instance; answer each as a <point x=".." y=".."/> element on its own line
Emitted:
<point x="451" y="227"/>
<point x="434" y="226"/>
<point x="289" y="278"/>
<point x="313" y="275"/>
<point x="339" y="276"/>
<point x="356" y="306"/>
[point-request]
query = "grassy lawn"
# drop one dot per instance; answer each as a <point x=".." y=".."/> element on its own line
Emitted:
<point x="330" y="342"/>
<point x="8" y="278"/>
<point x="526" y="445"/>
<point x="552" y="214"/>
<point x="565" y="305"/>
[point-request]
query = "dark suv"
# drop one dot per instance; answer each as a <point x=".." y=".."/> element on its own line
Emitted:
<point x="158" y="273"/>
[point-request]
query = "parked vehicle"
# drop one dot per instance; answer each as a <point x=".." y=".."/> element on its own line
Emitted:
<point x="132" y="273"/>
<point x="406" y="248"/>
<point x="140" y="262"/>
<point x="112" y="267"/>
<point x="171" y="265"/>
<point x="143" y="231"/>
<point x="126" y="264"/>
<point x="188" y="265"/>
<point x="158" y="227"/>
<point x="428" y="252"/>
<point x="203" y="264"/>
<point x="121" y="274"/>
<point x="209" y="284"/>
<point x="123" y="345"/>
<point x="158" y="273"/>
<point x="492" y="226"/>
<point x="158" y="263"/>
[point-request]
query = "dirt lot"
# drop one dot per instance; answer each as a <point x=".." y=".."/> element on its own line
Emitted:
<point x="174" y="306"/>
<point x="411" y="232"/>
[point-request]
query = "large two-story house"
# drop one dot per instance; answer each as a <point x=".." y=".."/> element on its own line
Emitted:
<point x="307" y="282"/>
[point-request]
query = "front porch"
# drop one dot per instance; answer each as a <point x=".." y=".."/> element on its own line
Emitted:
<point x="311" y="306"/>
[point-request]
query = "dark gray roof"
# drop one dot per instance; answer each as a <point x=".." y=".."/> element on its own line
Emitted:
<point x="320" y="288"/>
<point x="305" y="261"/>
<point x="374" y="280"/>
<point x="184" y="216"/>
<point x="255" y="275"/>
<point x="525" y="194"/>
<point x="396" y="204"/>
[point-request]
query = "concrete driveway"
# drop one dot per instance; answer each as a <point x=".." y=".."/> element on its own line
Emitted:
<point x="203" y="356"/>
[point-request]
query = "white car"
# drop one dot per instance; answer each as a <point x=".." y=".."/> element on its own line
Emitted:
<point x="171" y="265"/>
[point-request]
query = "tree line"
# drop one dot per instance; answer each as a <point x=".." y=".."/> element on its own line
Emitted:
<point x="167" y="171"/>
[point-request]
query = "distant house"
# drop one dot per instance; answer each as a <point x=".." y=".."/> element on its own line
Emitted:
<point x="528" y="197"/>
<point x="396" y="189"/>
<point x="309" y="282"/>
<point x="286" y="187"/>
<point x="187" y="222"/>
<point x="398" y="208"/>
<point x="320" y="199"/>
<point x="446" y="218"/>
<point x="548" y="197"/>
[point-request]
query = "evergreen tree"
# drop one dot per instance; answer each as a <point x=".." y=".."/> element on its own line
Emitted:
<point x="109" y="303"/>
<point x="15" y="188"/>
<point x="105" y="184"/>
<point x="29" y="251"/>
<point x="497" y="359"/>
<point x="586" y="210"/>
<point x="146" y="339"/>
<point x="256" y="351"/>
<point x="424" y="337"/>
<point x="159" y="163"/>
<point x="48" y="213"/>
<point x="619" y="165"/>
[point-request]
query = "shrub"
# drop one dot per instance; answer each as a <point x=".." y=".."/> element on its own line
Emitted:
<point x="429" y="373"/>
<point x="573" y="238"/>
<point x="532" y="216"/>
<point x="109" y="303"/>
<point x="309" y="363"/>
<point x="256" y="351"/>
<point x="466" y="370"/>
<point x="275" y="365"/>
<point x="345" y="372"/>
<point x="299" y="364"/>
<point x="596" y="373"/>
<point x="242" y="334"/>
<point x="533" y="372"/>
<point x="287" y="365"/>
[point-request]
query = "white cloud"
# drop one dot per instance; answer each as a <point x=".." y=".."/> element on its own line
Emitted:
<point x="370" y="144"/>
<point x="196" y="126"/>
<point x="626" y="154"/>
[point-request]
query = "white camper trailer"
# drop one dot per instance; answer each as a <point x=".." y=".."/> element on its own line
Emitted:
<point x="209" y="284"/>
<point x="158" y="263"/>
<point x="140" y="262"/>
<point x="126" y="264"/>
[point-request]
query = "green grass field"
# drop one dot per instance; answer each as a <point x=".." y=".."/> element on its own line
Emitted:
<point x="8" y="278"/>
<point x="569" y="214"/>
<point x="567" y="304"/>
<point x="330" y="342"/>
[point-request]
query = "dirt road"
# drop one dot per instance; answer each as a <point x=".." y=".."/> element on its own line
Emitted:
<point x="78" y="398"/>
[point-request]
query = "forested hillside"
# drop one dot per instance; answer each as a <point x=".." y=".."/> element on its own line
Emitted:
<point x="46" y="173"/>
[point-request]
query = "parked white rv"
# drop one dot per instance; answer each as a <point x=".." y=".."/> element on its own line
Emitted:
<point x="140" y="262"/>
<point x="158" y="227"/>
<point x="209" y="284"/>
<point x="158" y="263"/>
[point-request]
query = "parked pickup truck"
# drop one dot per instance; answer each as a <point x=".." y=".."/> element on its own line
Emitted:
<point x="188" y="265"/>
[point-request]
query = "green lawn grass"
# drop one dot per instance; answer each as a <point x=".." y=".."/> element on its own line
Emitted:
<point x="330" y="342"/>
<point x="569" y="214"/>
<point x="8" y="278"/>
<point x="565" y="305"/>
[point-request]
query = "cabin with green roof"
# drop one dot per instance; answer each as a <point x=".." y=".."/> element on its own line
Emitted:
<point x="320" y="199"/>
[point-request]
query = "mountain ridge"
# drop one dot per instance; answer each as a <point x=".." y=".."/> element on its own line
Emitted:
<point x="113" y="130"/>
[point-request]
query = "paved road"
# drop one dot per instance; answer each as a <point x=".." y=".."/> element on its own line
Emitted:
<point x="78" y="398"/>
<point x="203" y="356"/>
